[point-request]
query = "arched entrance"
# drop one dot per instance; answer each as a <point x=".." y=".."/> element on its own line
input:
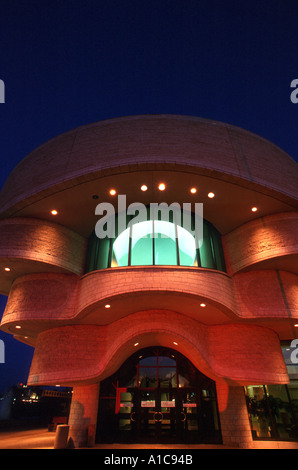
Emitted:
<point x="158" y="396"/>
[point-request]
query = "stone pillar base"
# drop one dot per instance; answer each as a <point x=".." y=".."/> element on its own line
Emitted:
<point x="234" y="420"/>
<point x="83" y="416"/>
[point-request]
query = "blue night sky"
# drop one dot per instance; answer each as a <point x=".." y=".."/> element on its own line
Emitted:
<point x="66" y="63"/>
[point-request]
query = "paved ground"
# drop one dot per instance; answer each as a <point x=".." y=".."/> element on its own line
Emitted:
<point x="29" y="439"/>
<point x="43" y="439"/>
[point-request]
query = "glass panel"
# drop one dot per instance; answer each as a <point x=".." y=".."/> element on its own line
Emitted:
<point x="147" y="377"/>
<point x="142" y="244"/>
<point x="166" y="361"/>
<point x="258" y="411"/>
<point x="167" y="377"/>
<point x="103" y="253"/>
<point x="148" y="361"/>
<point x="187" y="374"/>
<point x="120" y="249"/>
<point x="217" y="250"/>
<point x="165" y="243"/>
<point x="206" y="250"/>
<point x="280" y="410"/>
<point x="126" y="411"/>
<point x="92" y="251"/>
<point x="187" y="247"/>
<point x="293" y="393"/>
<point x="126" y="402"/>
<point x="189" y="406"/>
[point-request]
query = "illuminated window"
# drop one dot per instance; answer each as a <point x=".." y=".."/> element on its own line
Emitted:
<point x="156" y="242"/>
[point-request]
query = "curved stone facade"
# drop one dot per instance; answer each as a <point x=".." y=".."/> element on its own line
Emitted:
<point x="231" y="352"/>
<point x="102" y="147"/>
<point x="265" y="242"/>
<point x="85" y="325"/>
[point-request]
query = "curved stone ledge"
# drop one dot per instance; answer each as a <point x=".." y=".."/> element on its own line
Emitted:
<point x="44" y="300"/>
<point x="266" y="294"/>
<point x="93" y="149"/>
<point x="34" y="245"/>
<point x="61" y="297"/>
<point x="241" y="354"/>
<point x="273" y="238"/>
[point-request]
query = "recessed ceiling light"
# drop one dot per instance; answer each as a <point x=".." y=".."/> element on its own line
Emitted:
<point x="7" y="269"/>
<point x="144" y="187"/>
<point x="202" y="305"/>
<point x="136" y="344"/>
<point x="54" y="212"/>
<point x="296" y="324"/>
<point x="113" y="192"/>
<point x="174" y="342"/>
<point x="254" y="209"/>
<point x="18" y="327"/>
<point x="161" y="186"/>
<point x="193" y="190"/>
<point x="211" y="195"/>
<point x="107" y="306"/>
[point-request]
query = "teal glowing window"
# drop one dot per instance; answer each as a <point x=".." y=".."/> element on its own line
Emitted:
<point x="156" y="242"/>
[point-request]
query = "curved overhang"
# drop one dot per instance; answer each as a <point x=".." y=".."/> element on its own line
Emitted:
<point x="269" y="242"/>
<point x="29" y="245"/>
<point x="69" y="171"/>
<point x="38" y="302"/>
<point x="71" y="362"/>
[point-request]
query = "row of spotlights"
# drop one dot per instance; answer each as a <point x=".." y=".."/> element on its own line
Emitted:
<point x="109" y="306"/>
<point x="161" y="187"/>
<point x="113" y="192"/>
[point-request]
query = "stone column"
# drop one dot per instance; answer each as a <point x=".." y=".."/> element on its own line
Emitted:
<point x="83" y="415"/>
<point x="233" y="415"/>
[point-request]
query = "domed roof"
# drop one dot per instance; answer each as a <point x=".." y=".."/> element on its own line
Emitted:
<point x="150" y="142"/>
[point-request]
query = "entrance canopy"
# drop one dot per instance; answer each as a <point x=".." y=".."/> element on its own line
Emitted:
<point x="79" y="354"/>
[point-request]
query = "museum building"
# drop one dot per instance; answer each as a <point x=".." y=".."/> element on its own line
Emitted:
<point x="161" y="338"/>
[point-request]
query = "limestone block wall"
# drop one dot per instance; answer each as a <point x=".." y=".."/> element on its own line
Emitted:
<point x="262" y="240"/>
<point x="240" y="354"/>
<point x="100" y="148"/>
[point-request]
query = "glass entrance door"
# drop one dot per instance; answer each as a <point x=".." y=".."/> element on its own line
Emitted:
<point x="166" y="400"/>
<point x="157" y="414"/>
